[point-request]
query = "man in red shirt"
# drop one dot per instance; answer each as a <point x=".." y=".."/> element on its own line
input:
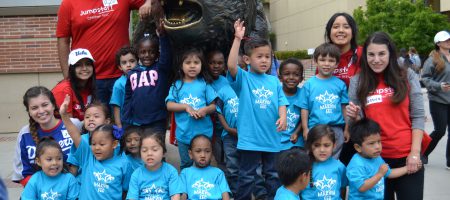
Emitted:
<point x="102" y="28"/>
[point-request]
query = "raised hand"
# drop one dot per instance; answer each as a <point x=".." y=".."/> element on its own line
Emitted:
<point x="239" y="29"/>
<point x="64" y="106"/>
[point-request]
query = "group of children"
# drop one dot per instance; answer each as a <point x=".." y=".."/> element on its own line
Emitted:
<point x="261" y="115"/>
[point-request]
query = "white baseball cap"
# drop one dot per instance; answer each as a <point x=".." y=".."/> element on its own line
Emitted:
<point x="441" y="36"/>
<point x="78" y="54"/>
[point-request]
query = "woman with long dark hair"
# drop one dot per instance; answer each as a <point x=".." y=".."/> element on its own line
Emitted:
<point x="81" y="83"/>
<point x="391" y="96"/>
<point x="341" y="30"/>
<point x="44" y="121"/>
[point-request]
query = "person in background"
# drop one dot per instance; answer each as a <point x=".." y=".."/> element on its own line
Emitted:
<point x="415" y="58"/>
<point x="436" y="78"/>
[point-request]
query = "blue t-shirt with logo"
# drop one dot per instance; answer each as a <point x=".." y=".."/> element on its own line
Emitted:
<point x="360" y="169"/>
<point x="160" y="184"/>
<point x="323" y="98"/>
<point x="118" y="93"/>
<point x="105" y="179"/>
<point x="230" y="104"/>
<point x="71" y="158"/>
<point x="43" y="187"/>
<point x="285" y="194"/>
<point x="134" y="162"/>
<point x="197" y="94"/>
<point x="260" y="96"/>
<point x="328" y="178"/>
<point x="204" y="183"/>
<point x="293" y="122"/>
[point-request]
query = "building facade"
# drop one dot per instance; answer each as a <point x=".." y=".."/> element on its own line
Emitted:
<point x="301" y="24"/>
<point x="28" y="55"/>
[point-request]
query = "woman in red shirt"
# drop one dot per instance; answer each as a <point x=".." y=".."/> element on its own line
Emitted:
<point x="341" y="30"/>
<point x="81" y="83"/>
<point x="391" y="96"/>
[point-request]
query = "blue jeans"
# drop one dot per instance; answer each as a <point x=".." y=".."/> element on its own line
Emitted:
<point x="339" y="135"/>
<point x="185" y="160"/>
<point x="248" y="163"/>
<point x="232" y="163"/>
<point x="104" y="89"/>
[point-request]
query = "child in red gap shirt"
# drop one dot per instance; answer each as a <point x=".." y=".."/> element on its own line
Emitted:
<point x="81" y="83"/>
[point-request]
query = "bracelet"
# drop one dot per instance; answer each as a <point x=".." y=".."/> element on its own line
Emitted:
<point x="414" y="157"/>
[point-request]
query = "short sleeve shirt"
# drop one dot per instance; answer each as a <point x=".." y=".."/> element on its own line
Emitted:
<point x="204" y="183"/>
<point x="197" y="94"/>
<point x="260" y="96"/>
<point x="160" y="184"/>
<point x="323" y="98"/>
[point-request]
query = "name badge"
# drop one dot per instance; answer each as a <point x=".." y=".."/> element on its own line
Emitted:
<point x="374" y="99"/>
<point x="109" y="2"/>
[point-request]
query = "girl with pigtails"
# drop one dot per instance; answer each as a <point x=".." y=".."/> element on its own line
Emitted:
<point x="44" y="121"/>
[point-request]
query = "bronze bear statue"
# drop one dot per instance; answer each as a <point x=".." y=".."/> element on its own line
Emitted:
<point x="204" y="24"/>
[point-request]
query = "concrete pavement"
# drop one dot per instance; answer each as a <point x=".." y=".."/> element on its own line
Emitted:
<point x="437" y="178"/>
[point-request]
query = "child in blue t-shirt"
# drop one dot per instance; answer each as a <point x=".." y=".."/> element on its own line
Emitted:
<point x="202" y="181"/>
<point x="96" y="114"/>
<point x="262" y="112"/>
<point x="328" y="180"/>
<point x="191" y="98"/>
<point x="324" y="96"/>
<point x="291" y="74"/>
<point x="50" y="182"/>
<point x="215" y="61"/>
<point x="129" y="145"/>
<point x="294" y="168"/>
<point x="126" y="60"/>
<point x="227" y="104"/>
<point x="367" y="170"/>
<point x="105" y="173"/>
<point x="156" y="179"/>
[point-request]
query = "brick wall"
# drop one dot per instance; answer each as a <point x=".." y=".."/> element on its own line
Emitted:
<point x="28" y="44"/>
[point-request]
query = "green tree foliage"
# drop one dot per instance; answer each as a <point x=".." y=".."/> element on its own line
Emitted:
<point x="410" y="23"/>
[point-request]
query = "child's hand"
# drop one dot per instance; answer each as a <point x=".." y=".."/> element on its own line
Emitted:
<point x="281" y="124"/>
<point x="201" y="113"/>
<point x="64" y="106"/>
<point x="232" y="131"/>
<point x="346" y="136"/>
<point x="294" y="138"/>
<point x="239" y="29"/>
<point x="191" y="111"/>
<point x="305" y="134"/>
<point x="352" y="111"/>
<point x="160" y="28"/>
<point x="383" y="169"/>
